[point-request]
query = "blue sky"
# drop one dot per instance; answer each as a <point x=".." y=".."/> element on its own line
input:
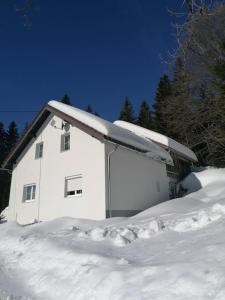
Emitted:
<point x="96" y="51"/>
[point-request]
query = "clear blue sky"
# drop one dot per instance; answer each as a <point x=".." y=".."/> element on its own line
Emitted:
<point x="96" y="51"/>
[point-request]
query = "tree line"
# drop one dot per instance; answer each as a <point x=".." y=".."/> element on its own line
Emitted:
<point x="8" y="139"/>
<point x="189" y="104"/>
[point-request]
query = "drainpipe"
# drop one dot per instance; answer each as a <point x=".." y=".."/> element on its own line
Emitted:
<point x="109" y="179"/>
<point x="39" y="189"/>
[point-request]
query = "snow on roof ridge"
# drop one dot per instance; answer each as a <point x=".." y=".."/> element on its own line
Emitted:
<point x="113" y="131"/>
<point x="158" y="138"/>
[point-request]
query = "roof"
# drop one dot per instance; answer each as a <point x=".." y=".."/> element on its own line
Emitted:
<point x="93" y="125"/>
<point x="160" y="139"/>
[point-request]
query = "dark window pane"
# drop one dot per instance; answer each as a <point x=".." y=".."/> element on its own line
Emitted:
<point x="70" y="193"/>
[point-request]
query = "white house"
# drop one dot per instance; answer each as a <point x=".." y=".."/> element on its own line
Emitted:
<point x="72" y="163"/>
<point x="182" y="156"/>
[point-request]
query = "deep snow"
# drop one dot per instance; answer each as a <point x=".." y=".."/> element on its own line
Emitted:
<point x="172" y="251"/>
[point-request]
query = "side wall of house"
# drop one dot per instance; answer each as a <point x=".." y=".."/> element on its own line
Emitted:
<point x="85" y="158"/>
<point x="135" y="182"/>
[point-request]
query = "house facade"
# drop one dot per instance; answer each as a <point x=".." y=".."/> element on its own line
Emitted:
<point x="71" y="163"/>
<point x="182" y="156"/>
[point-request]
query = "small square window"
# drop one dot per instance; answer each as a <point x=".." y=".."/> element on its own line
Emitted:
<point x="65" y="142"/>
<point x="73" y="186"/>
<point x="39" y="150"/>
<point x="29" y="192"/>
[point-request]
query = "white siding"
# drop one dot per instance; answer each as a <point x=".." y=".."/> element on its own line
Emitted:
<point x="137" y="182"/>
<point x="86" y="157"/>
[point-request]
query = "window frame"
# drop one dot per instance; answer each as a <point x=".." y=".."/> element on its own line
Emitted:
<point x="65" y="186"/>
<point x="63" y="142"/>
<point x="33" y="192"/>
<point x="39" y="146"/>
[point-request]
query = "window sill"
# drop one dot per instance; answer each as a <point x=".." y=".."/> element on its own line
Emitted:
<point x="72" y="196"/>
<point x="28" y="201"/>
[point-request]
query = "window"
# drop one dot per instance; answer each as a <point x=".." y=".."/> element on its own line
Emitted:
<point x="29" y="192"/>
<point x="73" y="186"/>
<point x="39" y="150"/>
<point x="65" y="142"/>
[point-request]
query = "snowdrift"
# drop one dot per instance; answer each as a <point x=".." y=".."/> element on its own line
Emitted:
<point x="172" y="251"/>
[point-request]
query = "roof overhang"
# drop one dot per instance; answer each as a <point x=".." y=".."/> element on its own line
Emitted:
<point x="163" y="141"/>
<point x="35" y="126"/>
<point x="32" y="130"/>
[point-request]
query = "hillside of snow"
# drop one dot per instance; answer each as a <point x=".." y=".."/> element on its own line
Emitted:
<point x="175" y="250"/>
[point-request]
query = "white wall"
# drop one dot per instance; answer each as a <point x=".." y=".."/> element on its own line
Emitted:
<point x="86" y="157"/>
<point x="134" y="180"/>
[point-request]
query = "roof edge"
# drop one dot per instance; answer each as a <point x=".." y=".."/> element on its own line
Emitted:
<point x="37" y="123"/>
<point x="30" y="133"/>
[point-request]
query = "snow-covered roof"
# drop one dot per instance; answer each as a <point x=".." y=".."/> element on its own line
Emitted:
<point x="113" y="131"/>
<point x="159" y="138"/>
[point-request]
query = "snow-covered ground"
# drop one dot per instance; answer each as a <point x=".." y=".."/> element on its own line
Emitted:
<point x="175" y="250"/>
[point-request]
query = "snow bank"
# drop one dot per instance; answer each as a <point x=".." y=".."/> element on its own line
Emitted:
<point x="196" y="180"/>
<point x="113" y="131"/>
<point x="158" y="138"/>
<point x="173" y="251"/>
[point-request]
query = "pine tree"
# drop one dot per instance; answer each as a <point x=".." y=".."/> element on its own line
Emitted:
<point x="96" y="114"/>
<point x="4" y="176"/>
<point x="211" y="118"/>
<point x="2" y="143"/>
<point x="89" y="109"/>
<point x="66" y="100"/>
<point x="179" y="107"/>
<point x="26" y="126"/>
<point x="127" y="112"/>
<point x="12" y="136"/>
<point x="145" y="117"/>
<point x="164" y="90"/>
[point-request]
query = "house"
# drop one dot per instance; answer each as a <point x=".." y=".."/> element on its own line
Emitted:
<point x="182" y="156"/>
<point x="72" y="163"/>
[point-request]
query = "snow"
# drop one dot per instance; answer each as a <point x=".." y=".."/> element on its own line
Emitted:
<point x="3" y="215"/>
<point x="158" y="138"/>
<point x="113" y="131"/>
<point x="173" y="251"/>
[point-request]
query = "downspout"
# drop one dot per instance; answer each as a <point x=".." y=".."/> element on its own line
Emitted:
<point x="15" y="202"/>
<point x="39" y="188"/>
<point x="109" y="179"/>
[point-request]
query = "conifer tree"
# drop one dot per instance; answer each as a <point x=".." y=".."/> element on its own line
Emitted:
<point x="89" y="109"/>
<point x="161" y="101"/>
<point x="145" y="117"/>
<point x="4" y="176"/>
<point x="2" y="143"/>
<point x="178" y="111"/>
<point x="127" y="112"/>
<point x="211" y="118"/>
<point x="26" y="126"/>
<point x="12" y="136"/>
<point x="204" y="120"/>
<point x="66" y="100"/>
